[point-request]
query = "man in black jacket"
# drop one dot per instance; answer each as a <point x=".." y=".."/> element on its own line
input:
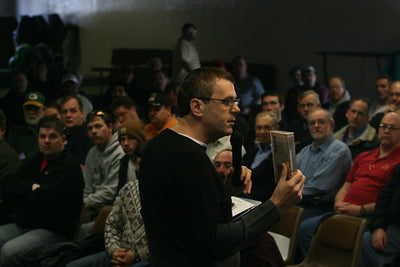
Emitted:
<point x="382" y="243"/>
<point x="47" y="193"/>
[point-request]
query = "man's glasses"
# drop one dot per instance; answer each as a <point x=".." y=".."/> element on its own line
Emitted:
<point x="226" y="102"/>
<point x="388" y="126"/>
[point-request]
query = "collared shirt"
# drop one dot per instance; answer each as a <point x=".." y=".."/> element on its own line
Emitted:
<point x="348" y="139"/>
<point x="325" y="167"/>
<point x="369" y="174"/>
<point x="263" y="151"/>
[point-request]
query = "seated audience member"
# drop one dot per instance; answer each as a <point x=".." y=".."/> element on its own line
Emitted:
<point x="125" y="239"/>
<point x="126" y="76"/>
<point x="8" y="158"/>
<point x="160" y="115"/>
<point x="47" y="192"/>
<point x="358" y="134"/>
<point x="12" y="102"/>
<point x="53" y="109"/>
<point x="371" y="170"/>
<point x="382" y="85"/>
<point x="220" y="144"/>
<point x="339" y="100"/>
<point x="223" y="165"/>
<point x="273" y="101"/>
<point x="309" y="83"/>
<point x="259" y="157"/>
<point x="131" y="136"/>
<point x="70" y="87"/>
<point x="308" y="100"/>
<point x="381" y="240"/>
<point x="172" y="91"/>
<point x="394" y="104"/>
<point x="123" y="109"/>
<point x="8" y="166"/>
<point x="102" y="163"/>
<point x="41" y="83"/>
<point x="297" y="79"/>
<point x="23" y="138"/>
<point x="325" y="162"/>
<point x="270" y="101"/>
<point x="78" y="141"/>
<point x="159" y="82"/>
<point x="248" y="87"/>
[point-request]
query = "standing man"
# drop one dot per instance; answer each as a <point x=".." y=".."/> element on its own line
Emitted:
<point x="186" y="57"/>
<point x="47" y="192"/>
<point x="325" y="162"/>
<point x="186" y="210"/>
<point x="78" y="141"/>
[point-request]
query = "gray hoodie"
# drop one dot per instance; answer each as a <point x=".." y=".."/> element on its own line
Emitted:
<point x="101" y="173"/>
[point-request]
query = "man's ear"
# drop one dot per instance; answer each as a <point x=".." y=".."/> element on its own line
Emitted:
<point x="196" y="107"/>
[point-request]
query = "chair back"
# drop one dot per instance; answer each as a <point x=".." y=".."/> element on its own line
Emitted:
<point x="288" y="227"/>
<point x="337" y="242"/>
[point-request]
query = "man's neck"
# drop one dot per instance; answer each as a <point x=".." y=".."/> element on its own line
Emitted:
<point x="192" y="128"/>
<point x="384" y="101"/>
<point x="352" y="132"/>
<point x="385" y="150"/>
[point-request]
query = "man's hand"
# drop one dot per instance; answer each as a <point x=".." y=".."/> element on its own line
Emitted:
<point x="288" y="191"/>
<point x="379" y="239"/>
<point x="122" y="258"/>
<point x="347" y="209"/>
<point x="245" y="177"/>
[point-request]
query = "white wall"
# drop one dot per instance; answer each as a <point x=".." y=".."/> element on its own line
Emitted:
<point x="279" y="32"/>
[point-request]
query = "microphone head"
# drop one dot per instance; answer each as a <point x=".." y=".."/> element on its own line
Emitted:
<point x="236" y="138"/>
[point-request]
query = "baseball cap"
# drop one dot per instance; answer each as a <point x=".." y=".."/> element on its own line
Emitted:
<point x="157" y="100"/>
<point x="132" y="127"/>
<point x="34" y="99"/>
<point x="69" y="78"/>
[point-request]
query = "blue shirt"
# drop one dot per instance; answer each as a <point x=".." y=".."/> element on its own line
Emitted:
<point x="263" y="152"/>
<point x="325" y="167"/>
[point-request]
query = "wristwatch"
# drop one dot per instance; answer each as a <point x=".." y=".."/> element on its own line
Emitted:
<point x="363" y="211"/>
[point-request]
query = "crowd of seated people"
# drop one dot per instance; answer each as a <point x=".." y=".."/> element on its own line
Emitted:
<point x="346" y="147"/>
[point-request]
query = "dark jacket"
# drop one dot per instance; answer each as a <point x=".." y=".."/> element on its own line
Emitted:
<point x="56" y="205"/>
<point x="262" y="176"/>
<point x="387" y="208"/>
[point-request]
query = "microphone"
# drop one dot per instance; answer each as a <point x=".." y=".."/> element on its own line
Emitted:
<point x="236" y="143"/>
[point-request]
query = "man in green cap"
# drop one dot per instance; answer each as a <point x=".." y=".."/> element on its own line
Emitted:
<point x="23" y="138"/>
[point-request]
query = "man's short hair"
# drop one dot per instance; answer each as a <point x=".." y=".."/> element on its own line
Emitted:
<point x="342" y="82"/>
<point x="67" y="98"/>
<point x="385" y="76"/>
<point x="122" y="101"/>
<point x="187" y="26"/>
<point x="200" y="83"/>
<point x="328" y="116"/>
<point x="3" y="120"/>
<point x="51" y="122"/>
<point x="99" y="114"/>
<point x="237" y="58"/>
<point x="274" y="93"/>
<point x="363" y="99"/>
<point x="307" y="93"/>
<point x="270" y="114"/>
<point x="53" y="104"/>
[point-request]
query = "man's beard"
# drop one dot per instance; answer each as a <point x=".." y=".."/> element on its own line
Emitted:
<point x="32" y="121"/>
